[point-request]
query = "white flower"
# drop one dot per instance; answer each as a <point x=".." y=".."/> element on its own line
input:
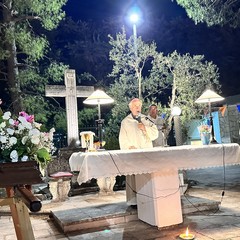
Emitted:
<point x="3" y="125"/>
<point x="51" y="132"/>
<point x="25" y="123"/>
<point x="24" y="140"/>
<point x="34" y="132"/>
<point x="35" y="140"/>
<point x="13" y="140"/>
<point x="10" y="131"/>
<point x="6" y="115"/>
<point x="14" y="156"/>
<point x="11" y="121"/>
<point x="20" y="127"/>
<point x="37" y="125"/>
<point x="24" y="158"/>
<point x="3" y="139"/>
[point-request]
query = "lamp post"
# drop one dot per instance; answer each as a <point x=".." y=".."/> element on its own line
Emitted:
<point x="134" y="19"/>
<point x="210" y="96"/>
<point x="135" y="16"/>
<point x="98" y="98"/>
<point x="176" y="112"/>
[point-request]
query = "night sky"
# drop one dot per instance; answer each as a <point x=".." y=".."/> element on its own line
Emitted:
<point x="216" y="49"/>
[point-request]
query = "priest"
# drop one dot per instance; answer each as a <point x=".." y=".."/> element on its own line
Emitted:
<point x="137" y="132"/>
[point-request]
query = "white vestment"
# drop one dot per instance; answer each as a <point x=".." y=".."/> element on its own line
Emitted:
<point x="131" y="135"/>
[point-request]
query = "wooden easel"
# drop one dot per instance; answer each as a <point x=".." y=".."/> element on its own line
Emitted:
<point x="14" y="177"/>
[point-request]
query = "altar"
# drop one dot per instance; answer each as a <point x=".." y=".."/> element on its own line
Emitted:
<point x="158" y="193"/>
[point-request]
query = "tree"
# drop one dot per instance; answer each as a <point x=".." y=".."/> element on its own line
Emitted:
<point x="22" y="43"/>
<point x="186" y="77"/>
<point x="84" y="46"/>
<point x="130" y="59"/>
<point x="181" y="77"/>
<point x="218" y="12"/>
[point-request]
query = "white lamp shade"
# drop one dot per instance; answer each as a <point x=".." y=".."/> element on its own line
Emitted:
<point x="98" y="97"/>
<point x="209" y="96"/>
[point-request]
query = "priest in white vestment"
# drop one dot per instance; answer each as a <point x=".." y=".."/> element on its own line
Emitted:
<point x="137" y="132"/>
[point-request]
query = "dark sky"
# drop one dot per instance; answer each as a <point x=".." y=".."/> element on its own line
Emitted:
<point x="99" y="9"/>
<point x="214" y="50"/>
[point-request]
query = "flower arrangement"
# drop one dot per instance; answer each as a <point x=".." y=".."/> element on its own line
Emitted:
<point x="203" y="129"/>
<point x="21" y="139"/>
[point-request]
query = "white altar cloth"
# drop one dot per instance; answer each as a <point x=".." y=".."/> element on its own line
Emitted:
<point x="138" y="161"/>
<point x="158" y="192"/>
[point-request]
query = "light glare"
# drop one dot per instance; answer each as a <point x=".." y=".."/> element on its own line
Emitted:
<point x="134" y="18"/>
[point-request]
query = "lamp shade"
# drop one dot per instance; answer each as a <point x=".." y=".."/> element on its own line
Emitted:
<point x="209" y="96"/>
<point x="98" y="97"/>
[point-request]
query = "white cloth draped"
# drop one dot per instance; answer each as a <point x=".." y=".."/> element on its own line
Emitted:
<point x="141" y="161"/>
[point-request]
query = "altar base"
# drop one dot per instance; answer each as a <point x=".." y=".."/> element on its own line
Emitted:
<point x="158" y="199"/>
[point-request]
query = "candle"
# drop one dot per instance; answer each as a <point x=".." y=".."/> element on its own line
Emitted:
<point x="187" y="235"/>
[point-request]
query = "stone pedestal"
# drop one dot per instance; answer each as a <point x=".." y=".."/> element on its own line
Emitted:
<point x="106" y="185"/>
<point x="59" y="186"/>
<point x="59" y="189"/>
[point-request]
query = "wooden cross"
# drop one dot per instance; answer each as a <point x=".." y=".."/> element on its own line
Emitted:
<point x="70" y="91"/>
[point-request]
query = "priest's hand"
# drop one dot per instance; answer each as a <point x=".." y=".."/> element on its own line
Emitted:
<point x="141" y="126"/>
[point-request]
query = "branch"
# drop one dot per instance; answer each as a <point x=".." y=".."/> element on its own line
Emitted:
<point x="19" y="19"/>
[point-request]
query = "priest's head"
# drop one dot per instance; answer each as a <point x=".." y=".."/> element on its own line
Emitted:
<point x="135" y="106"/>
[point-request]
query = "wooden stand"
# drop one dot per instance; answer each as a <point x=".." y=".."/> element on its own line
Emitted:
<point x="20" y="215"/>
<point x="14" y="177"/>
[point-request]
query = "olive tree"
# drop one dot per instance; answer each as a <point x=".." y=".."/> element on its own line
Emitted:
<point x="181" y="77"/>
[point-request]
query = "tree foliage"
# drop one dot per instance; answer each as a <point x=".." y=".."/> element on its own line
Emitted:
<point x="167" y="80"/>
<point x="218" y="12"/>
<point x="23" y="43"/>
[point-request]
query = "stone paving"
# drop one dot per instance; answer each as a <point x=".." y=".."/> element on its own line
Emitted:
<point x="206" y="183"/>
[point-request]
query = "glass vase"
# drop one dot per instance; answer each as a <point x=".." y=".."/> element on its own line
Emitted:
<point x="205" y="138"/>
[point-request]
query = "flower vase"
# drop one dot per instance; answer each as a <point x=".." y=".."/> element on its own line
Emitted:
<point x="205" y="138"/>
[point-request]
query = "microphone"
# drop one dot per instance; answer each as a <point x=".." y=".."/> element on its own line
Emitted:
<point x="147" y="118"/>
<point x="138" y="118"/>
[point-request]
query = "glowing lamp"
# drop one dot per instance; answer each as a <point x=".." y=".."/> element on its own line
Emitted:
<point x="187" y="235"/>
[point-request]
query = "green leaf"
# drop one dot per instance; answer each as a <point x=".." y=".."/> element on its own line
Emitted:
<point x="43" y="155"/>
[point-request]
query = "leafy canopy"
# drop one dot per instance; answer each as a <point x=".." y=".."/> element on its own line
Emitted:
<point x="167" y="80"/>
<point x="217" y="12"/>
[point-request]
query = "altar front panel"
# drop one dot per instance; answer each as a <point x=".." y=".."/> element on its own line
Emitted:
<point x="158" y="199"/>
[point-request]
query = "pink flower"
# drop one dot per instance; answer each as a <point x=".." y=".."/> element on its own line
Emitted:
<point x="16" y="123"/>
<point x="29" y="118"/>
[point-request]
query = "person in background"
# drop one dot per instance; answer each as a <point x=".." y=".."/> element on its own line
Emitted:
<point x="136" y="132"/>
<point x="159" y="121"/>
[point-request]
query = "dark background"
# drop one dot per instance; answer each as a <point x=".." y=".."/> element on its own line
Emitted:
<point x="166" y="23"/>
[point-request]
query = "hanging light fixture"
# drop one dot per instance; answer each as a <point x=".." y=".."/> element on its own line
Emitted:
<point x="210" y="96"/>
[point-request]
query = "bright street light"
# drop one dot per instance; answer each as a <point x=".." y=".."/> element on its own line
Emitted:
<point x="134" y="18"/>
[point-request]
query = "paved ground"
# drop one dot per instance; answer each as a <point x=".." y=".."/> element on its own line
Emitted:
<point x="207" y="183"/>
